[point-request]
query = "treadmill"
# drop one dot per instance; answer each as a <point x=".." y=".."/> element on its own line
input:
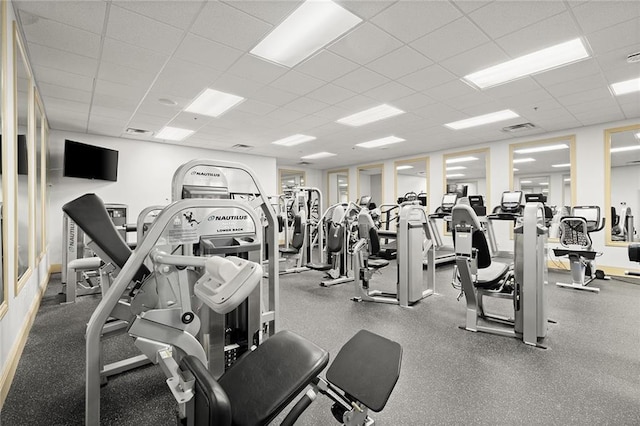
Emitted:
<point x="510" y="209"/>
<point x="443" y="253"/>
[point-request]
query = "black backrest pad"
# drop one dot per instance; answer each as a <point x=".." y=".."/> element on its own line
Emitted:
<point x="374" y="241"/>
<point x="298" y="232"/>
<point x="90" y="214"/>
<point x="335" y="237"/>
<point x="263" y="383"/>
<point x="367" y="368"/>
<point x="212" y="406"/>
<point x="483" y="254"/>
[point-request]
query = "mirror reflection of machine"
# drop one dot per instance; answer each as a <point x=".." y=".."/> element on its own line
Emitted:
<point x="443" y="253"/>
<point x="509" y="210"/>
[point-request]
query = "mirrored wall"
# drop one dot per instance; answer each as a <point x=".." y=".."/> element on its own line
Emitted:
<point x="412" y="177"/>
<point x="465" y="173"/>
<point x="24" y="150"/>
<point x="622" y="184"/>
<point x="290" y="178"/>
<point x="338" y="186"/>
<point x="371" y="183"/>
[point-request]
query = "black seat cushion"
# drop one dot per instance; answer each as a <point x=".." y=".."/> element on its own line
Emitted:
<point x="367" y="368"/>
<point x="335" y="236"/>
<point x="298" y="233"/>
<point x="377" y="263"/>
<point x="90" y="214"/>
<point x="490" y="278"/>
<point x="262" y="383"/>
<point x="211" y="404"/>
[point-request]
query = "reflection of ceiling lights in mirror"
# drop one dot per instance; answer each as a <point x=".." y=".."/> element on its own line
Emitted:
<point x="405" y="167"/>
<point x="516" y="170"/>
<point x="460" y="160"/>
<point x="532" y="63"/>
<point x="455" y="175"/>
<point x="541" y="149"/>
<point x="318" y="155"/>
<point x="370" y="115"/>
<point x="637" y="135"/>
<point x="526" y="181"/>
<point x="544" y="183"/>
<point x="173" y="133"/>
<point x="450" y="169"/>
<point x="480" y="120"/>
<point x="213" y="103"/>
<point x="627" y="86"/>
<point x="567" y="179"/>
<point x="380" y="142"/>
<point x="294" y="140"/>
<point x="561" y="165"/>
<point x="545" y="191"/>
<point x="310" y="27"/>
<point x="523" y="160"/>
<point x="625" y="148"/>
<point x="342" y="185"/>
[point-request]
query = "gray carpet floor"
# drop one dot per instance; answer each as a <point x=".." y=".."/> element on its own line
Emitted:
<point x="589" y="375"/>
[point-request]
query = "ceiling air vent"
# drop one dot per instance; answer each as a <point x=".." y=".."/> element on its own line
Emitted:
<point x="518" y="127"/>
<point x="139" y="132"/>
<point x="242" y="147"/>
<point x="304" y="163"/>
<point x="634" y="57"/>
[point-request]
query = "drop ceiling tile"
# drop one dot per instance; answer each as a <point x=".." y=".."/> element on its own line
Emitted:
<point x="112" y="113"/>
<point x="409" y="20"/>
<point x="632" y="109"/>
<point x="184" y="79"/>
<point x="61" y="60"/>
<point x="178" y="14"/>
<point x="72" y="122"/>
<point x="468" y="101"/>
<point x="105" y="128"/>
<point x="86" y="15"/>
<point x="390" y="92"/>
<point x="256" y="107"/>
<point x="357" y="103"/>
<point x="594" y="81"/>
<point x="439" y="113"/>
<point x="152" y="106"/>
<point x="500" y="18"/>
<point x="475" y="59"/>
<point x="210" y="54"/>
<point x="63" y="105"/>
<point x="52" y="90"/>
<point x="596" y="15"/>
<point x="283" y="116"/>
<point x="551" y="31"/>
<point x="309" y="123"/>
<point x="331" y="94"/>
<point x="365" y="43"/>
<point x="255" y="69"/>
<point x="361" y="80"/>
<point x="298" y="83"/>
<point x="147" y="122"/>
<point x="470" y="5"/>
<point x="63" y="37"/>
<point x="136" y="57"/>
<point x="326" y="66"/>
<point x="110" y="101"/>
<point x="365" y="9"/>
<point x="428" y="77"/>
<point x="616" y="37"/>
<point x="190" y="121"/>
<point x="486" y="108"/>
<point x="141" y="31"/>
<point x="617" y="58"/>
<point x="229" y="83"/>
<point x="450" y="40"/>
<point x="274" y="96"/>
<point x="399" y="62"/>
<point x="413" y="102"/>
<point x="595" y="117"/>
<point x="506" y="90"/>
<point x="448" y="90"/>
<point x="220" y="22"/>
<point x="601" y="94"/>
<point x="568" y="73"/>
<point x="117" y="73"/>
<point x="62" y="78"/>
<point x="273" y="12"/>
<point x="306" y="105"/>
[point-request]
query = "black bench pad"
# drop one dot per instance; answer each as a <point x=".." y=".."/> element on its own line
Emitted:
<point x="212" y="406"/>
<point x="367" y="368"/>
<point x="265" y="381"/>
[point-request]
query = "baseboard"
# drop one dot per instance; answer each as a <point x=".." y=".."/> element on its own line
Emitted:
<point x="16" y="351"/>
<point x="55" y="268"/>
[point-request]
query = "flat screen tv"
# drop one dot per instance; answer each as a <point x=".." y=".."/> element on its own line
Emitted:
<point x="90" y="162"/>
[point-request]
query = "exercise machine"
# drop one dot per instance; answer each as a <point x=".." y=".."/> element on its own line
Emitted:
<point x="480" y="276"/>
<point x="634" y="256"/>
<point x="509" y="210"/>
<point x="443" y="253"/>
<point x="414" y="239"/>
<point x="577" y="246"/>
<point x="622" y="227"/>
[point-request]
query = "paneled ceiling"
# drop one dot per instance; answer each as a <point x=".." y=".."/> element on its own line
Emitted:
<point x="104" y="66"/>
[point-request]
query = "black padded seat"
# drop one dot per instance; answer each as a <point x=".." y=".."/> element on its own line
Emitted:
<point x="367" y="369"/>
<point x="319" y="266"/>
<point x="265" y="381"/>
<point x="211" y="405"/>
<point x="90" y="214"/>
<point x="290" y="250"/>
<point x="377" y="263"/>
<point x="489" y="278"/>
<point x="587" y="254"/>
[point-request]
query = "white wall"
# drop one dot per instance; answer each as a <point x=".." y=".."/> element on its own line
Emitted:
<point x="590" y="174"/>
<point x="145" y="170"/>
<point x="408" y="183"/>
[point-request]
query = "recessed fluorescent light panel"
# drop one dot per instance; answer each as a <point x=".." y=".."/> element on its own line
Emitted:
<point x="173" y="133"/>
<point x="625" y="148"/>
<point x="213" y="103"/>
<point x="455" y="175"/>
<point x="318" y="155"/>
<point x="541" y="149"/>
<point x="461" y="160"/>
<point x="516" y="170"/>
<point x="309" y="28"/>
<point x="561" y="165"/>
<point x="405" y="167"/>
<point x="452" y="168"/>
<point x="480" y="120"/>
<point x="624" y="87"/>
<point x="533" y="63"/>
<point x="370" y="115"/>
<point x="380" y="142"/>
<point x="294" y="140"/>
<point x="523" y="160"/>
